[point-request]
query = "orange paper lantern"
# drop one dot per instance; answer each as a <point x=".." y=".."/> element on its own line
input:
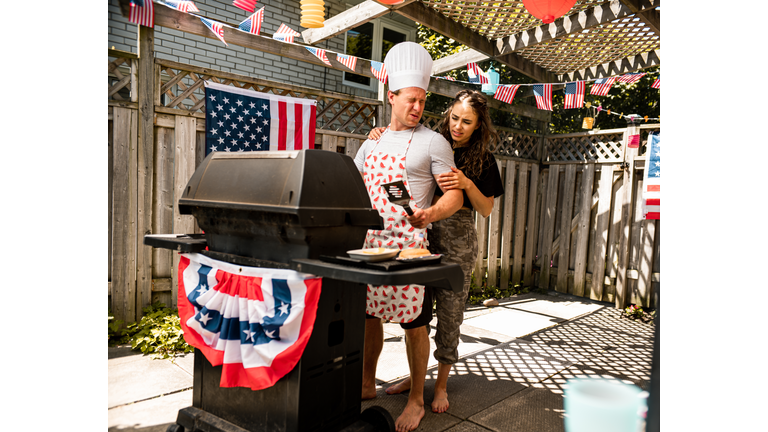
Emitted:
<point x="548" y="10"/>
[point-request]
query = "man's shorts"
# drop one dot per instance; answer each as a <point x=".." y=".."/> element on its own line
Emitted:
<point x="426" y="312"/>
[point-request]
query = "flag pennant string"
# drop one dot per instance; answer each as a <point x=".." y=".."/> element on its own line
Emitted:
<point x="142" y="13"/>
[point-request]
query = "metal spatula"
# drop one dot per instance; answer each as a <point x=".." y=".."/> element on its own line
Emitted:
<point x="398" y="195"/>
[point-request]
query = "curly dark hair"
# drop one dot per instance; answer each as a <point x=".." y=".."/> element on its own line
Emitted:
<point x="482" y="139"/>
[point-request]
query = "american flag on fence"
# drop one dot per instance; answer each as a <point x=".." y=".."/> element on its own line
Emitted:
<point x="246" y="5"/>
<point x="254" y="321"/>
<point x="379" y="71"/>
<point x="657" y="83"/>
<point x="630" y="77"/>
<point x="476" y="75"/>
<point x="252" y="24"/>
<point x="319" y="53"/>
<point x="652" y="178"/>
<point x="216" y="28"/>
<point x="142" y="15"/>
<point x="574" y="95"/>
<point x="237" y="120"/>
<point x="347" y="60"/>
<point x="184" y="6"/>
<point x="602" y="86"/>
<point x="506" y="93"/>
<point x="285" y="34"/>
<point x="543" y="95"/>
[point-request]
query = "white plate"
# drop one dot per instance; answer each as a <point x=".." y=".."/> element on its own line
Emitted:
<point x="373" y="257"/>
<point x="421" y="258"/>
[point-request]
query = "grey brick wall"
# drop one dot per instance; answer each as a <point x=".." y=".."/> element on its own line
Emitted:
<point x="187" y="48"/>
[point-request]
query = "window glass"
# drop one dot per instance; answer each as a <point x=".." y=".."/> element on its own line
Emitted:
<point x="389" y="39"/>
<point x="360" y="45"/>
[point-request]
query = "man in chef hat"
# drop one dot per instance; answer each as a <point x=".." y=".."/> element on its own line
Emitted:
<point x="416" y="155"/>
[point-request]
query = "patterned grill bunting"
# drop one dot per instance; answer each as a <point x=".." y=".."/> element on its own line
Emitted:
<point x="285" y="34"/>
<point x="319" y="53"/>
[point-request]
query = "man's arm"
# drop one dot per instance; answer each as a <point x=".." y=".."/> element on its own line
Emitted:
<point x="447" y="205"/>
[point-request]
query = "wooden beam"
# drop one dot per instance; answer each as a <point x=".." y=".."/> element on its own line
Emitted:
<point x="653" y="19"/>
<point x="349" y="19"/>
<point x="438" y="22"/>
<point x="618" y="67"/>
<point x="457" y="61"/>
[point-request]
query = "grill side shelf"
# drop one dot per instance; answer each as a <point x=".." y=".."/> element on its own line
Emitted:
<point x="186" y="243"/>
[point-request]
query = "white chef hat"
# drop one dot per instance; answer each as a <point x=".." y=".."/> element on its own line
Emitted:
<point x="408" y="65"/>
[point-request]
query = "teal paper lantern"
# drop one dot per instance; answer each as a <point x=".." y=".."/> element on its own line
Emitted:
<point x="493" y="77"/>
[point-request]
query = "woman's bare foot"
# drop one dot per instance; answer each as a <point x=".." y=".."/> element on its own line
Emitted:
<point x="369" y="393"/>
<point x="402" y="386"/>
<point x="440" y="402"/>
<point x="410" y="418"/>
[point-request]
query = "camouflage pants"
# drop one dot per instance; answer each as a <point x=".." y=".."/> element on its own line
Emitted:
<point x="456" y="239"/>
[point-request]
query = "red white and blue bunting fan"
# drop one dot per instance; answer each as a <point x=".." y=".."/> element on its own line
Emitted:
<point x="254" y="322"/>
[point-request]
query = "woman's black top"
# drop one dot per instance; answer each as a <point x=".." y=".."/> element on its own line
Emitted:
<point x="489" y="181"/>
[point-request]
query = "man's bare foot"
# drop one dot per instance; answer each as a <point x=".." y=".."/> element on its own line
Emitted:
<point x="440" y="402"/>
<point x="369" y="393"/>
<point x="410" y="418"/>
<point x="402" y="386"/>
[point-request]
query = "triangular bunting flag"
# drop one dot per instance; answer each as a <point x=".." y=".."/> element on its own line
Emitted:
<point x="347" y="60"/>
<point x="319" y="53"/>
<point x="285" y="34"/>
<point x="252" y="24"/>
<point x="657" y="83"/>
<point x="630" y="77"/>
<point x="143" y="14"/>
<point x="379" y="71"/>
<point x="184" y="6"/>
<point x="506" y="93"/>
<point x="216" y="28"/>
<point x="543" y="95"/>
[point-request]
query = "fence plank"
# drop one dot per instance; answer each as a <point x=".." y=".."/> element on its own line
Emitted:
<point x="655" y="284"/>
<point x="110" y="165"/>
<point x="481" y="224"/>
<point x="162" y="215"/>
<point x="520" y="213"/>
<point x="493" y="244"/>
<point x="124" y="196"/>
<point x="184" y="166"/>
<point x="532" y="226"/>
<point x="582" y="233"/>
<point x="509" y="207"/>
<point x="351" y="147"/>
<point x="549" y="226"/>
<point x="622" y="294"/>
<point x="601" y="233"/>
<point x="565" y="227"/>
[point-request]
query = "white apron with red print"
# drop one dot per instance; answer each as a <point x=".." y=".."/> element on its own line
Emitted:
<point x="397" y="303"/>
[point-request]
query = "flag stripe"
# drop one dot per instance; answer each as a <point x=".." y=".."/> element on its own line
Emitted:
<point x="574" y="95"/>
<point x="143" y="15"/>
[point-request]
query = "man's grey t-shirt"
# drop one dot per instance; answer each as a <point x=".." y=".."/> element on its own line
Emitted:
<point x="428" y="155"/>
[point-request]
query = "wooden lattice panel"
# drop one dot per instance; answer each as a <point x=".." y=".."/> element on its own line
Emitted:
<point x="585" y="148"/>
<point x="516" y="144"/>
<point x="184" y="88"/>
<point x="120" y="77"/>
<point x="495" y="19"/>
<point x="622" y="38"/>
<point x="431" y="121"/>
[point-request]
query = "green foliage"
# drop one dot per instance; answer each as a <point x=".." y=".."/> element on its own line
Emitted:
<point x="479" y="293"/>
<point x="114" y="333"/>
<point x="635" y="312"/>
<point x="158" y="333"/>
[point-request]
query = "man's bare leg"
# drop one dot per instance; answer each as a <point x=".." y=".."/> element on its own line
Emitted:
<point x="374" y="343"/>
<point x="417" y="347"/>
<point x="440" y="402"/>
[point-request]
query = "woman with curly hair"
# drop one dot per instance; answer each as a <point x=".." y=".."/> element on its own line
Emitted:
<point x="467" y="126"/>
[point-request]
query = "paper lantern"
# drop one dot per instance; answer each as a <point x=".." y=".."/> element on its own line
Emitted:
<point x="391" y="2"/>
<point x="588" y="123"/>
<point x="493" y="77"/>
<point x="633" y="131"/>
<point x="312" y="13"/>
<point x="548" y="10"/>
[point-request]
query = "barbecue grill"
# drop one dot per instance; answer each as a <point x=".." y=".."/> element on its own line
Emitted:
<point x="301" y="210"/>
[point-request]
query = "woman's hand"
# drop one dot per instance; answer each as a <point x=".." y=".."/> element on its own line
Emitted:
<point x="453" y="180"/>
<point x="375" y="133"/>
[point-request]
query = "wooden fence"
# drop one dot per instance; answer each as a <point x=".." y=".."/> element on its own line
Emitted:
<point x="565" y="199"/>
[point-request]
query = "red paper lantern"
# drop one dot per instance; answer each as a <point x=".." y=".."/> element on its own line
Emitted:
<point x="548" y="10"/>
<point x="390" y="2"/>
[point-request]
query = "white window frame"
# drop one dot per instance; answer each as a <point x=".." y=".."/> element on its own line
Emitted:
<point x="378" y="34"/>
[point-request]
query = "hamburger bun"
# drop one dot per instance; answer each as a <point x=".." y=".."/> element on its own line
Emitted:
<point x="414" y="253"/>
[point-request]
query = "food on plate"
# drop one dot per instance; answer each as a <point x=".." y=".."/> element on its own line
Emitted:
<point x="414" y="253"/>
<point x="375" y="251"/>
